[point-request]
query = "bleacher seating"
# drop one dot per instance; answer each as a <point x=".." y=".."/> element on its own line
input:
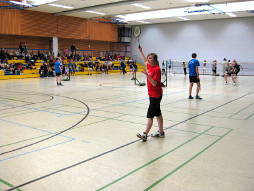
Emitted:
<point x="81" y="66"/>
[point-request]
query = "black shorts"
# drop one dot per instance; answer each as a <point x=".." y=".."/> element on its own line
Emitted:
<point x="58" y="74"/>
<point x="194" y="79"/>
<point x="154" y="107"/>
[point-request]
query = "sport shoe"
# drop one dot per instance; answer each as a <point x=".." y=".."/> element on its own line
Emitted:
<point x="158" y="134"/>
<point x="197" y="97"/>
<point x="190" y="97"/>
<point x="143" y="136"/>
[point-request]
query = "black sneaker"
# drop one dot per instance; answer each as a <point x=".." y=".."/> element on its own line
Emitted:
<point x="143" y="136"/>
<point x="190" y="97"/>
<point x="60" y="84"/>
<point x="197" y="97"/>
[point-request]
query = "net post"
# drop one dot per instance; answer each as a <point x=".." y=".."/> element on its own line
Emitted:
<point x="166" y="74"/>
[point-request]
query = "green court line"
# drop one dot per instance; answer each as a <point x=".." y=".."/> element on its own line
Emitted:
<point x="163" y="110"/>
<point x="144" y="124"/>
<point x="8" y="184"/>
<point x="211" y="135"/>
<point x="141" y="124"/>
<point x="105" y="119"/>
<point x="240" y="110"/>
<point x="21" y="109"/>
<point x="208" y="125"/>
<point x="247" y="118"/>
<point x="12" y="99"/>
<point x="119" y="113"/>
<point x="154" y="160"/>
<point x="23" y="141"/>
<point x="221" y="112"/>
<point x="217" y="116"/>
<point x="180" y="112"/>
<point x="173" y="128"/>
<point x="186" y="162"/>
<point x="18" y="114"/>
<point x="77" y="127"/>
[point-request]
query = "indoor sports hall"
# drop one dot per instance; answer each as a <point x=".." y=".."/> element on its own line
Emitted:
<point x="84" y="128"/>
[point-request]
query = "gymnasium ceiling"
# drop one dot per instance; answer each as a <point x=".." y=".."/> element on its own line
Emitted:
<point x="192" y="9"/>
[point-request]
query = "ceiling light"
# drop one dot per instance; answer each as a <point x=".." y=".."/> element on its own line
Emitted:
<point x="95" y="12"/>
<point x="159" y="14"/>
<point x="231" y="14"/>
<point x="145" y="22"/>
<point x="183" y="18"/>
<point x="62" y="6"/>
<point x="198" y="1"/>
<point x="234" y="7"/>
<point x="21" y="3"/>
<point x="142" y="6"/>
<point x="189" y="11"/>
<point x="41" y="2"/>
<point x="120" y="16"/>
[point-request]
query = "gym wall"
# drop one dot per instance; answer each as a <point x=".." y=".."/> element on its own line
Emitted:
<point x="210" y="39"/>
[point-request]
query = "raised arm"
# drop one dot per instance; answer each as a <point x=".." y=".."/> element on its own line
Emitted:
<point x="142" y="53"/>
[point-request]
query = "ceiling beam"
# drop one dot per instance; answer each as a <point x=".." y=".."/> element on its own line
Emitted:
<point x="119" y="3"/>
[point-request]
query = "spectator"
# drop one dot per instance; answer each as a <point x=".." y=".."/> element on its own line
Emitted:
<point x="214" y="67"/>
<point x="184" y="68"/>
<point x="123" y="66"/>
<point x="73" y="50"/>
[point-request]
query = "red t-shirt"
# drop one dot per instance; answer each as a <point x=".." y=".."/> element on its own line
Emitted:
<point x="155" y="73"/>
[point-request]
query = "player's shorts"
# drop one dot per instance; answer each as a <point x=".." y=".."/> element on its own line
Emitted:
<point x="58" y="74"/>
<point x="228" y="73"/>
<point x="194" y="79"/>
<point x="154" y="107"/>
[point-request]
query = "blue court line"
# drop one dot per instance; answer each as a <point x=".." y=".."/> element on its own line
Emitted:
<point x="21" y="111"/>
<point x="46" y="111"/>
<point x="82" y="112"/>
<point x="179" y="100"/>
<point x="15" y="100"/>
<point x="111" y="105"/>
<point x="36" y="109"/>
<point x="23" y="125"/>
<point x="133" y="101"/>
<point x="122" y="146"/>
<point x="57" y="114"/>
<point x="147" y="98"/>
<point x="8" y="104"/>
<point x="26" y="111"/>
<point x="58" y="133"/>
<point x="36" y="150"/>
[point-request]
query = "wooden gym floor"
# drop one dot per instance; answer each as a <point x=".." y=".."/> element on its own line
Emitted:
<point x="82" y="136"/>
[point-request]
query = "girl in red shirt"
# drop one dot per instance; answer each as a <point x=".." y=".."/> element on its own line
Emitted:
<point x="154" y="86"/>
